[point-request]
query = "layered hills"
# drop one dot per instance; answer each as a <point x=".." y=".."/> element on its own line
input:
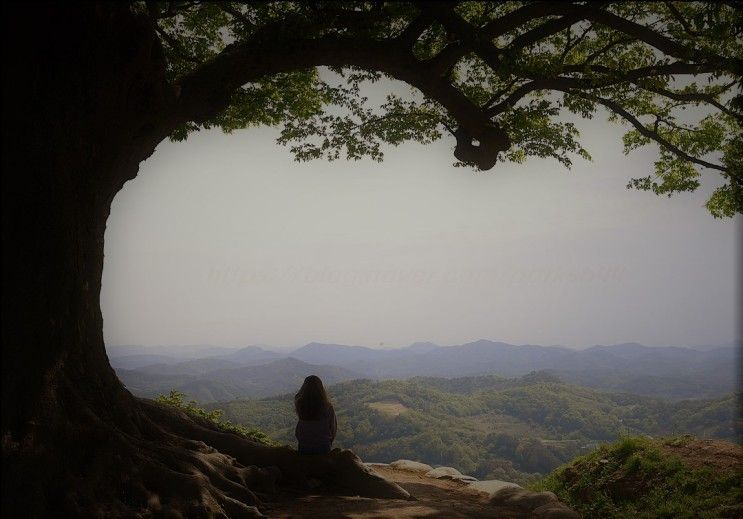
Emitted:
<point x="211" y="380"/>
<point x="210" y="373"/>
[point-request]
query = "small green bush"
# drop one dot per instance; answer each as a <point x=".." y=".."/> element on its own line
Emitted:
<point x="635" y="478"/>
<point x="175" y="399"/>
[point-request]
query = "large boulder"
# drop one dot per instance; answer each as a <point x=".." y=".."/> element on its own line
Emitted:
<point x="491" y="486"/>
<point x="411" y="466"/>
<point x="522" y="499"/>
<point x="441" y="472"/>
<point x="372" y="464"/>
<point x="462" y="478"/>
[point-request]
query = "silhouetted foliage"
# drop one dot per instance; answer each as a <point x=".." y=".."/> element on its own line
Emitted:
<point x="500" y="77"/>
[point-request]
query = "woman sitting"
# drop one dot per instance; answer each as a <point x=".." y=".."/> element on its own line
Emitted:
<point x="317" y="425"/>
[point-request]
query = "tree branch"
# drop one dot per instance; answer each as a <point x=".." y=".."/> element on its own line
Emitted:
<point x="570" y="45"/>
<point x="470" y="37"/>
<point x="512" y="20"/>
<point x="174" y="44"/>
<point x="207" y="90"/>
<point x="610" y="45"/>
<point x="236" y="14"/>
<point x="414" y="30"/>
<point x="619" y="110"/>
<point x="679" y="18"/>
<point x="543" y="31"/>
<point x="692" y="97"/>
<point x="557" y="83"/>
<point x="562" y="83"/>
<point x="669" y="69"/>
<point x="634" y="29"/>
<point x="276" y="48"/>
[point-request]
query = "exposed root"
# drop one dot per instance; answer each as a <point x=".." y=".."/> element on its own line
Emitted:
<point x="341" y="470"/>
<point x="175" y="465"/>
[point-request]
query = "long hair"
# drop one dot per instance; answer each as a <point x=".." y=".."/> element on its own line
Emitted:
<point x="312" y="399"/>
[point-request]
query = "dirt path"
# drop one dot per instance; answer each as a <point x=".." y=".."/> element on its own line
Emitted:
<point x="435" y="499"/>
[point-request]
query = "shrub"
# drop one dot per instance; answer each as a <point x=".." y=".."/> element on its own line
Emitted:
<point x="175" y="399"/>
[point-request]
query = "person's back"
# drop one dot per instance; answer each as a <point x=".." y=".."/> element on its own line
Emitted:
<point x="317" y="423"/>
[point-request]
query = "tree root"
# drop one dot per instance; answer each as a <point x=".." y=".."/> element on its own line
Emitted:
<point x="341" y="469"/>
<point x="173" y="465"/>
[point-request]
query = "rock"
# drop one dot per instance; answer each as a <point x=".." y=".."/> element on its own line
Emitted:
<point x="491" y="486"/>
<point x="464" y="479"/>
<point x="554" y="511"/>
<point x="522" y="498"/>
<point x="373" y="464"/>
<point x="353" y="478"/>
<point x="411" y="466"/>
<point x="442" y="472"/>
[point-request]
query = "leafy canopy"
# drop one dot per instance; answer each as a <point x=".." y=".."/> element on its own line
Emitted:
<point x="499" y="76"/>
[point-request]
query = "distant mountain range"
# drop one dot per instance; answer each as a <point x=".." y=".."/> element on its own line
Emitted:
<point x="210" y="373"/>
<point x="273" y="378"/>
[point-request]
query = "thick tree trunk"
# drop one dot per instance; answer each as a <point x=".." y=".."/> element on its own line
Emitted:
<point x="83" y="91"/>
<point x="73" y="119"/>
<point x="79" y="114"/>
<point x="84" y="102"/>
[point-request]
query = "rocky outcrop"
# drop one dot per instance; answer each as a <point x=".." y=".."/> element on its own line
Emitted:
<point x="411" y="466"/>
<point x="491" y="486"/>
<point x="461" y="478"/>
<point x="501" y="495"/>
<point x="441" y="472"/>
<point x="536" y="504"/>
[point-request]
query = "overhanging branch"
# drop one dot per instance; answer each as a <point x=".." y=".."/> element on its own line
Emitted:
<point x="622" y="112"/>
<point x="207" y="90"/>
<point x="277" y="48"/>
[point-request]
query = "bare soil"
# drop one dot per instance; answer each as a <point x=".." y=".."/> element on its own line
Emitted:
<point x="718" y="454"/>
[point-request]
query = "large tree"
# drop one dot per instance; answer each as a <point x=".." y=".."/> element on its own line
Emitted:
<point x="91" y="89"/>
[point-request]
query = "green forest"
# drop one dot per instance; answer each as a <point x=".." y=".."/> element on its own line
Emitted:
<point x="489" y="427"/>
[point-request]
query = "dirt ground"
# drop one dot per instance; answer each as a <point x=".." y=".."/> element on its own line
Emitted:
<point x="446" y="499"/>
<point x="434" y="499"/>
<point x="717" y="454"/>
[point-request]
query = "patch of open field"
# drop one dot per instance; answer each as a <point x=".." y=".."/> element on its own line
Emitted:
<point x="388" y="408"/>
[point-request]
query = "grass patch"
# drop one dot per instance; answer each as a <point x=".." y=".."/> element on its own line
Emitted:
<point x="175" y="399"/>
<point x="635" y="478"/>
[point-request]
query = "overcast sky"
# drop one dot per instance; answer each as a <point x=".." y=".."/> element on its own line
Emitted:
<point x="225" y="240"/>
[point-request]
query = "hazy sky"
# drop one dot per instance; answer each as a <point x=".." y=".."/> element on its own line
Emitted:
<point x="224" y="240"/>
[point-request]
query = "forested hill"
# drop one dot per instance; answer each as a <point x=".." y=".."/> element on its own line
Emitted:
<point x="489" y="427"/>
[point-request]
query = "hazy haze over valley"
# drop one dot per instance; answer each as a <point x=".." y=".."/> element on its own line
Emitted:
<point x="209" y="374"/>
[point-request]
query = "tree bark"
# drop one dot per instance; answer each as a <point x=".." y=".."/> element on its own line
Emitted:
<point x="82" y="96"/>
<point x="85" y="100"/>
<point x="79" y="114"/>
